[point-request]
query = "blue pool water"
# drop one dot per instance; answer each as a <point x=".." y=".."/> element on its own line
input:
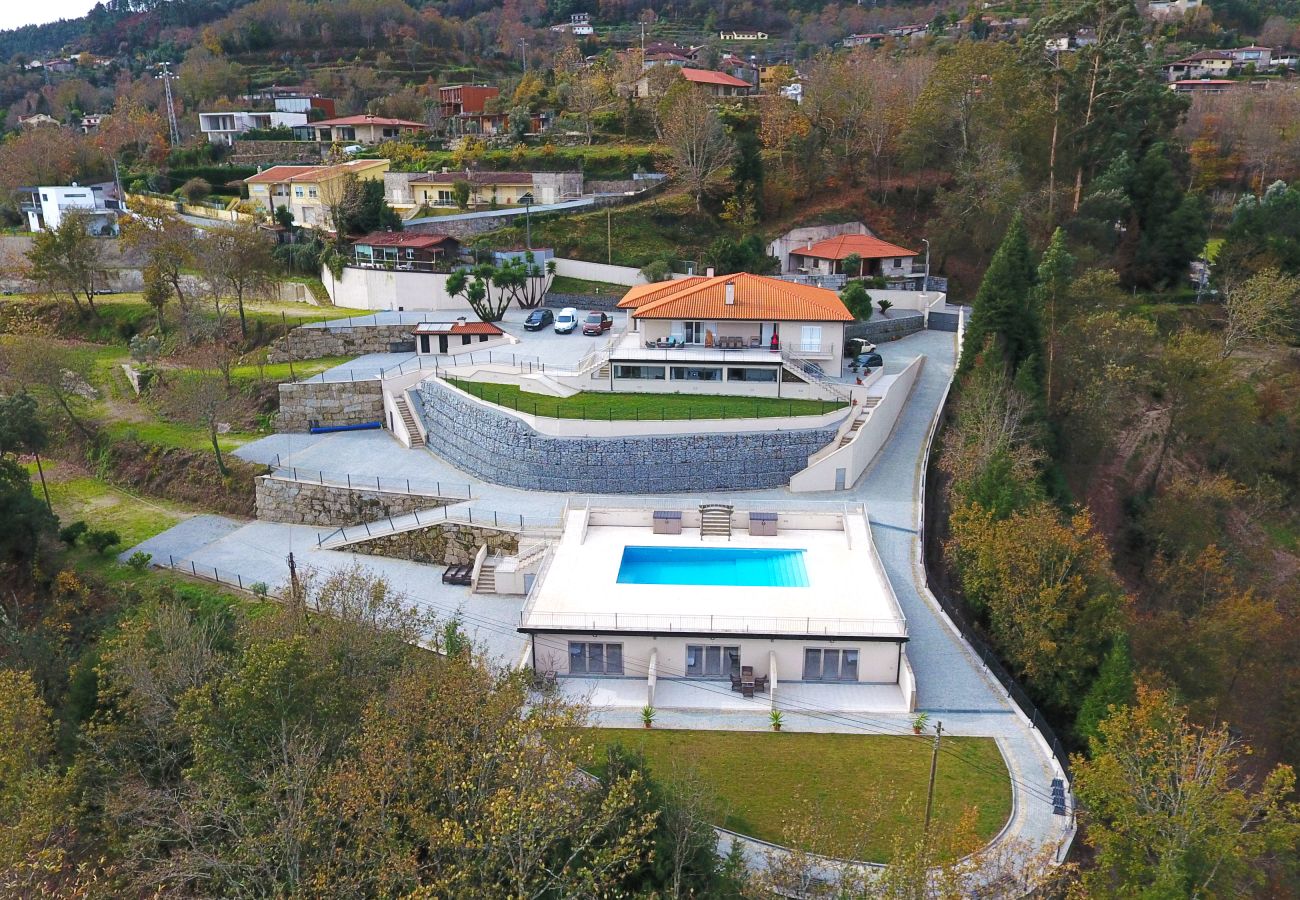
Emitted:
<point x="732" y="566"/>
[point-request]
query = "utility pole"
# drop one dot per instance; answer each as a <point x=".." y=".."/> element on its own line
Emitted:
<point x="926" y="241"/>
<point x="609" y="237"/>
<point x="934" y="765"/>
<point x="175" y="129"/>
<point x="528" y="223"/>
<point x="523" y="50"/>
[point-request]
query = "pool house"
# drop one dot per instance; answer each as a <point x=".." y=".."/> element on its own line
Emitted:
<point x="713" y="607"/>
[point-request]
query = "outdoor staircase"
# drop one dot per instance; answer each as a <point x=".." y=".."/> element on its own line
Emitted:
<point x="849" y="435"/>
<point x="408" y="421"/>
<point x="602" y="373"/>
<point x="715" y="520"/>
<point x="487" y="578"/>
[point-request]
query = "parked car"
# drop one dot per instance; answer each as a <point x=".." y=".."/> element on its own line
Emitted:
<point x="566" y="321"/>
<point x="869" y="361"/>
<point x="538" y="319"/>
<point x="597" y="323"/>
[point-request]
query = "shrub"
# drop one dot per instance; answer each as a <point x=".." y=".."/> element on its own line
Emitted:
<point x="857" y="300"/>
<point x="196" y="190"/>
<point x="70" y="533"/>
<point x="139" y="560"/>
<point x="101" y="541"/>
<point x="259" y="589"/>
<point x="885" y="306"/>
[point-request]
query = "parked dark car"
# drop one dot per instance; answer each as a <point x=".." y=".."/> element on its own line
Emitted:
<point x="538" y="319"/>
<point x="870" y="361"/>
<point x="596" y="323"/>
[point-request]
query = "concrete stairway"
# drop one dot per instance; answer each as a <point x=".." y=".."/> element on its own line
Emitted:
<point x="715" y="520"/>
<point x="487" y="578"/>
<point x="849" y="435"/>
<point x="602" y="373"/>
<point x="408" y="421"/>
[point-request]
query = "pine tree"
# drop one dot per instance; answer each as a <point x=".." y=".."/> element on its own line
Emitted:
<point x="1055" y="272"/>
<point x="1002" y="309"/>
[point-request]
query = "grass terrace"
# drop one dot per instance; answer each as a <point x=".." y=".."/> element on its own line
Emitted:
<point x="610" y="406"/>
<point x="866" y="788"/>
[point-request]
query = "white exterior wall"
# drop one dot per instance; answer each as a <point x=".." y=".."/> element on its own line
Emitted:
<point x="384" y="289"/>
<point x="590" y="271"/>
<point x="829" y="355"/>
<point x="58" y="199"/>
<point x="802" y="237"/>
<point x="879" y="662"/>
<point x="855" y="456"/>
<point x="917" y="300"/>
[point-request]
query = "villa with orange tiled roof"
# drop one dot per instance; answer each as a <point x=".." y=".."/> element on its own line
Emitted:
<point x="875" y="257"/>
<point x="307" y="190"/>
<point x="727" y="328"/>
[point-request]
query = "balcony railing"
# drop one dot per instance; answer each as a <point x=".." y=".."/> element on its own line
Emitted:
<point x="669" y="624"/>
<point x="439" y="267"/>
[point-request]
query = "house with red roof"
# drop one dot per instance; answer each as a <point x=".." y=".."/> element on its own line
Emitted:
<point x="366" y="129"/>
<point x="868" y="257"/>
<point x="406" y="251"/>
<point x="715" y="84"/>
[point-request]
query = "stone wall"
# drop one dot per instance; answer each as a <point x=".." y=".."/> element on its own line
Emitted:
<point x="270" y="153"/>
<point x="501" y="448"/>
<point x="313" y="342"/>
<point x="606" y="302"/>
<point x="442" y="545"/>
<point x="304" y="503"/>
<point x="332" y="403"/>
<point x="880" y="329"/>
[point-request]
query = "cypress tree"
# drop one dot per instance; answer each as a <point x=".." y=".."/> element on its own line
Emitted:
<point x="1002" y="309"/>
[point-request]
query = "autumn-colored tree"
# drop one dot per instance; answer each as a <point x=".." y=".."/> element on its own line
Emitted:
<point x="67" y="261"/>
<point x="239" y="262"/>
<point x="167" y="243"/>
<point x="699" y="148"/>
<point x="1169" y="811"/>
<point x="1259" y="311"/>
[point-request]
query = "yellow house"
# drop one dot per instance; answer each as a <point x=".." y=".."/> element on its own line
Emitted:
<point x="308" y="191"/>
<point x="436" y="188"/>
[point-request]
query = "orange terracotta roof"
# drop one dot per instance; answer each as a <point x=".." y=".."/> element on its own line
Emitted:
<point x="303" y="174"/>
<point x="645" y="293"/>
<point x="704" y="76"/>
<point x="415" y="240"/>
<point x="757" y="298"/>
<point x="846" y="244"/>
<point x="457" y="328"/>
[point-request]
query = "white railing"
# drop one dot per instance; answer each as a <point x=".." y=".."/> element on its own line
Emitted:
<point x="448" y="490"/>
<point x="794" y="625"/>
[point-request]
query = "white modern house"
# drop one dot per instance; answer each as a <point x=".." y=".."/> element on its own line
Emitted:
<point x="224" y="127"/>
<point x="45" y="206"/>
<point x="710" y="607"/>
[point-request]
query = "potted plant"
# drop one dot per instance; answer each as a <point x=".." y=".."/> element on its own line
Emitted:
<point x="919" y="721"/>
<point x="776" y="718"/>
<point x="648" y="716"/>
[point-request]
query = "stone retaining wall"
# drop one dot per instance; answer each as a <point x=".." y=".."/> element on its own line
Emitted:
<point x="325" y="505"/>
<point x="332" y="403"/>
<point x="500" y="448"/>
<point x="313" y="342"/>
<point x="879" y="330"/>
<point x="604" y="302"/>
<point x="441" y="545"/>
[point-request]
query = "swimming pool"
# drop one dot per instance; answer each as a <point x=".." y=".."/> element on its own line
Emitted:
<point x="730" y="566"/>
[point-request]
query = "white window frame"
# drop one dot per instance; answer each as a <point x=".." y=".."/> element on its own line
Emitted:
<point x="711" y="660"/>
<point x="586" y="655"/>
<point x="810" y="338"/>
<point x="845" y="658"/>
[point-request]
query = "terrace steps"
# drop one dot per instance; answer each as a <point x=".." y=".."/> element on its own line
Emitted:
<point x="715" y="520"/>
<point x="849" y="435"/>
<point x="408" y="421"/>
<point x="487" y="579"/>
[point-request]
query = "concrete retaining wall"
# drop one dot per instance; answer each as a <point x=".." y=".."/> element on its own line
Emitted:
<point x="443" y="545"/>
<point x="332" y="403"/>
<point x="590" y="271"/>
<point x="304" y="503"/>
<point x="500" y="448"/>
<point x="313" y="342"/>
<point x="603" y="302"/>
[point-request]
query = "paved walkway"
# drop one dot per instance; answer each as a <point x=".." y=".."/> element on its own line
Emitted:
<point x="951" y="682"/>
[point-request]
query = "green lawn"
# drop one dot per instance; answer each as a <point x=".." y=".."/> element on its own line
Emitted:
<point x="175" y="434"/>
<point x="868" y="787"/>
<point x="563" y="284"/>
<point x="641" y="407"/>
<point x="278" y="372"/>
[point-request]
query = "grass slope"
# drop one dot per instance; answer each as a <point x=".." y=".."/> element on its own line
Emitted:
<point x="868" y="788"/>
<point x="641" y="407"/>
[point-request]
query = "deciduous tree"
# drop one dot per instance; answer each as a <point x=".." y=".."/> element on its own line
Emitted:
<point x="67" y="261"/>
<point x="698" y="145"/>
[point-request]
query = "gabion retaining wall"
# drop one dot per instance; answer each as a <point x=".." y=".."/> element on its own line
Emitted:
<point x="499" y="448"/>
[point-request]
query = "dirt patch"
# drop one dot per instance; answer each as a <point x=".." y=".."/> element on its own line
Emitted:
<point x="185" y="476"/>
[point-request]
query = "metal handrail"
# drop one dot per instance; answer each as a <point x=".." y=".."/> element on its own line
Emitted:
<point x="444" y="490"/>
<point x="801" y="625"/>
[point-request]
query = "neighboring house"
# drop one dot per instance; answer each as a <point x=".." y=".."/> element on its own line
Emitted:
<point x="637" y="604"/>
<point x="877" y="257"/>
<point x="465" y="99"/>
<point x="874" y="39"/>
<point x="716" y="84"/>
<point x="793" y="92"/>
<point x="1172" y="9"/>
<point x="744" y="69"/>
<point x="579" y="25"/>
<point x="754" y="314"/>
<point x="1204" y="85"/>
<point x="307" y="191"/>
<point x="91" y="122"/>
<point x="409" y="191"/>
<point x="464" y="108"/>
<point x="403" y="250"/>
<point x="440" y="337"/>
<point x="1206" y="64"/>
<point x="664" y="58"/>
<point x="365" y="129"/>
<point x="1260" y="57"/>
<point x="224" y="127"/>
<point x="742" y="35"/>
<point x="45" y="206"/>
<point x="38" y="120"/>
<point x="1285" y="59"/>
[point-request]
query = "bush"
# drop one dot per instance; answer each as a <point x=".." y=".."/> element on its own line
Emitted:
<point x="139" y="560"/>
<point x="857" y="299"/>
<point x="885" y="306"/>
<point x="70" y="533"/>
<point x="196" y="190"/>
<point x="259" y="589"/>
<point x="101" y="541"/>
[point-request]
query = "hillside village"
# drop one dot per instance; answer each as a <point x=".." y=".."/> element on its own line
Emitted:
<point x="557" y="450"/>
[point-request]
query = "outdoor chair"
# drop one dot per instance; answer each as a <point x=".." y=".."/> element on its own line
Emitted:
<point x="735" y="683"/>
<point x="747" y="690"/>
<point x="747" y="672"/>
<point x="755" y="343"/>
